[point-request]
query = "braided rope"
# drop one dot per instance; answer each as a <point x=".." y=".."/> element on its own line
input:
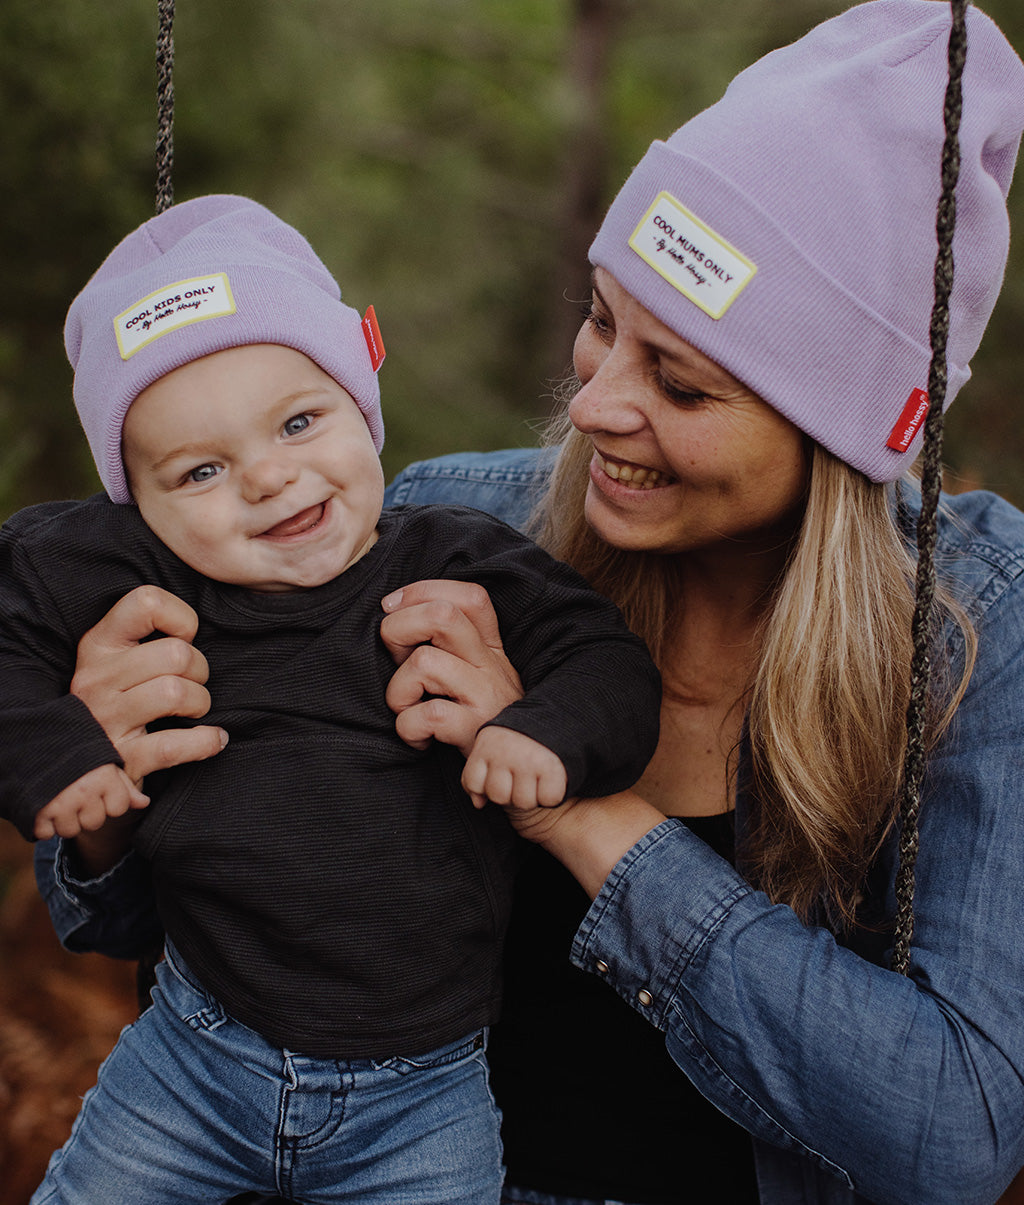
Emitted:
<point x="165" y="105"/>
<point x="931" y="482"/>
<point x="145" y="970"/>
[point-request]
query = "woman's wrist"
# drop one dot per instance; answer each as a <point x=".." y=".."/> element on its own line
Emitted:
<point x="589" y="836"/>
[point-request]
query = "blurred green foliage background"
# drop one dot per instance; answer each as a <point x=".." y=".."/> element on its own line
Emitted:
<point x="448" y="159"/>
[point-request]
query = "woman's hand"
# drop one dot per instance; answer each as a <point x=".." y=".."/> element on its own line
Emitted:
<point x="444" y="636"/>
<point x="127" y="684"/>
<point x="465" y="662"/>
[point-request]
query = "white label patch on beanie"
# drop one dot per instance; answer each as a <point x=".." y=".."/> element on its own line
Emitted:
<point x="170" y="308"/>
<point x="690" y="256"/>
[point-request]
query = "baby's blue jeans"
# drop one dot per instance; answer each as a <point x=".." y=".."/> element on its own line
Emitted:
<point x="193" y="1107"/>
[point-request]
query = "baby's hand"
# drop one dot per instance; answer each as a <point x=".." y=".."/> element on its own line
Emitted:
<point x="509" y="768"/>
<point x="88" y="803"/>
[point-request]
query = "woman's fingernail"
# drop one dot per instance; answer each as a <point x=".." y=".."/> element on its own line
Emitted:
<point x="392" y="601"/>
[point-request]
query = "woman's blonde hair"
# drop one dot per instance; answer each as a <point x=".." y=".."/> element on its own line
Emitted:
<point x="826" y="709"/>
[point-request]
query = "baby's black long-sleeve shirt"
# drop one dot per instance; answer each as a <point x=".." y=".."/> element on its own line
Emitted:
<point x="332" y="887"/>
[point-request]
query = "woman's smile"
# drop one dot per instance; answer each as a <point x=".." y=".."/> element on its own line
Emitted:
<point x="633" y="476"/>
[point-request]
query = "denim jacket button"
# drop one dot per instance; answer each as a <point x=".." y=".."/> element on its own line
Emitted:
<point x="601" y="967"/>
<point x="644" y="998"/>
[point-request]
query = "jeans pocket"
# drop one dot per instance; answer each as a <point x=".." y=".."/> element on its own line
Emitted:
<point x="468" y="1047"/>
<point x="184" y="996"/>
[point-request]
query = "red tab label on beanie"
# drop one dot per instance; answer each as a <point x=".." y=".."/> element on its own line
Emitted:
<point x="909" y="422"/>
<point x="374" y="343"/>
<point x="170" y="308"/>
<point x="690" y="256"/>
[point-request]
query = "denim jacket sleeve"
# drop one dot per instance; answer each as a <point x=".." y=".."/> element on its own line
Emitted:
<point x="115" y="913"/>
<point x="504" y="484"/>
<point x="904" y="1089"/>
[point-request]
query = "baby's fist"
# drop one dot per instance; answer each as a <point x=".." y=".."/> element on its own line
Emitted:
<point x="88" y="803"/>
<point x="513" y="770"/>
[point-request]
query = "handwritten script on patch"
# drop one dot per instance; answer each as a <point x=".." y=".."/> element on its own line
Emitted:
<point x="170" y="308"/>
<point x="691" y="256"/>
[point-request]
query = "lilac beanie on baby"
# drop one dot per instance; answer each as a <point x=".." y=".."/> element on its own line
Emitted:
<point x="788" y="231"/>
<point x="203" y="276"/>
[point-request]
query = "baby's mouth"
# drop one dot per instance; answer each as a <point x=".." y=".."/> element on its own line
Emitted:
<point x="303" y="521"/>
<point x="635" y="476"/>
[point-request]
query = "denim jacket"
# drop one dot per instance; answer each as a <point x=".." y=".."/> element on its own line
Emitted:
<point x="857" y="1084"/>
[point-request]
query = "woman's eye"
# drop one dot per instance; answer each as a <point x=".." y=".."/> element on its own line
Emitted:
<point x="204" y="472"/>
<point x="681" y="396"/>
<point x="296" y="424"/>
<point x="596" y="320"/>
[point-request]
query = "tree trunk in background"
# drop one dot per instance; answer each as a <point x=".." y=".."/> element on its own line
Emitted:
<point x="585" y="164"/>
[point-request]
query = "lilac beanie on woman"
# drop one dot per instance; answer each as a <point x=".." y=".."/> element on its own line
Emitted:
<point x="788" y="231"/>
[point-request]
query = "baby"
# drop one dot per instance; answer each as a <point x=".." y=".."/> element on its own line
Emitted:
<point x="334" y="906"/>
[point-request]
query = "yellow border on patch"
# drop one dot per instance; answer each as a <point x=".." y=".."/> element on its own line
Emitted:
<point x="721" y="242"/>
<point x="166" y="330"/>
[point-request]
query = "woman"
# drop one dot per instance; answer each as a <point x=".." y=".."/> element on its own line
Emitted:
<point x="750" y="376"/>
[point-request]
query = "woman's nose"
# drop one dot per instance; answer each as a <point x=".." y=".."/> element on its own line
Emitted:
<point x="266" y="477"/>
<point x="609" y="400"/>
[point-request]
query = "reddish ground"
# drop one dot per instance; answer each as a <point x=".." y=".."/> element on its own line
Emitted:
<point x="60" y="1014"/>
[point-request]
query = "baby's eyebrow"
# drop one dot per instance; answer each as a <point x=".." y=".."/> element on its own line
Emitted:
<point x="199" y="451"/>
<point x="189" y="451"/>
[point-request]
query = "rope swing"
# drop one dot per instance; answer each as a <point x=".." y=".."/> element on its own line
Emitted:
<point x="145" y="969"/>
<point x="164" y="105"/>
<point x="931" y="484"/>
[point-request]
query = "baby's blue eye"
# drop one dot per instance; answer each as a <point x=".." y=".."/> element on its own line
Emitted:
<point x="205" y="472"/>
<point x="297" y="423"/>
